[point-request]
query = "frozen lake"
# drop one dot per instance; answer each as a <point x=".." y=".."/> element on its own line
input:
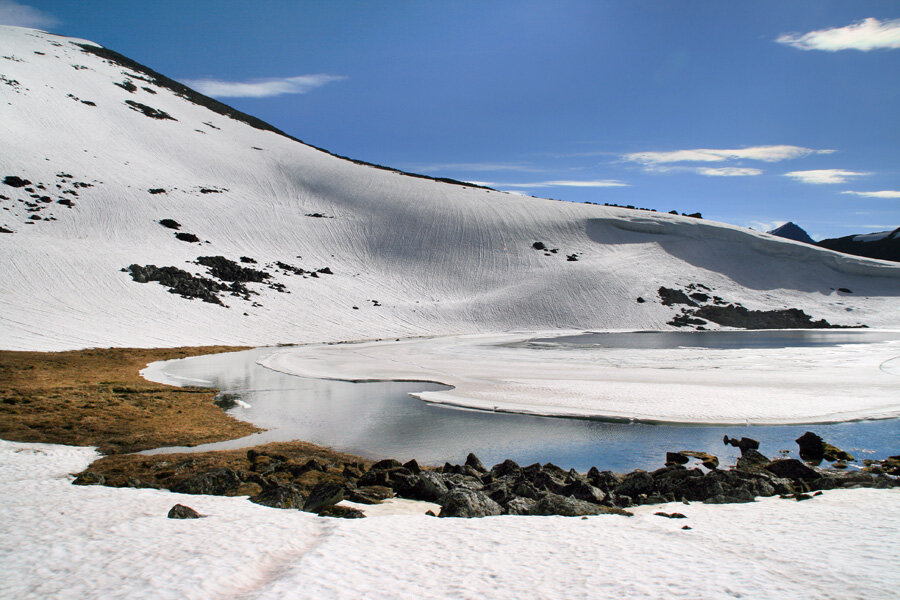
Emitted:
<point x="380" y="419"/>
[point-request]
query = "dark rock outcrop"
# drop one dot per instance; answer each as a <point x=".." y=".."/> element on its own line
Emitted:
<point x="217" y="482"/>
<point x="180" y="511"/>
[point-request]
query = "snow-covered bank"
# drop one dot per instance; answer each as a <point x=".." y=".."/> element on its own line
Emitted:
<point x="684" y="385"/>
<point x="408" y="256"/>
<point x="64" y="541"/>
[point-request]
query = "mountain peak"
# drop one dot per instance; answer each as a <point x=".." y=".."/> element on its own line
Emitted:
<point x="792" y="231"/>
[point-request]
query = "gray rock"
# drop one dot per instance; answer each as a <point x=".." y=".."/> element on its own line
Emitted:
<point x="506" y="468"/>
<point x="519" y="506"/>
<point x="475" y="463"/>
<point x="582" y="490"/>
<point x="635" y="483"/>
<point x="462" y="502"/>
<point x="790" y="468"/>
<point x="216" y="483"/>
<point x="752" y="460"/>
<point x="342" y="512"/>
<point x="89" y="478"/>
<point x="554" y="504"/>
<point x="280" y="496"/>
<point x="324" y="494"/>
<point x="372" y="494"/>
<point x="180" y="511"/>
<point x="429" y="486"/>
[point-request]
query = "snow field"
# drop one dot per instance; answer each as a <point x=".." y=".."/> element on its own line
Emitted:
<point x="64" y="541"/>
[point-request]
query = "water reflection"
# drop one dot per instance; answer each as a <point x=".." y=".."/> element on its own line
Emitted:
<point x="380" y="420"/>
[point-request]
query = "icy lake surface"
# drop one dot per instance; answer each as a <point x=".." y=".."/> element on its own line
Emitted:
<point x="721" y="340"/>
<point x="380" y="419"/>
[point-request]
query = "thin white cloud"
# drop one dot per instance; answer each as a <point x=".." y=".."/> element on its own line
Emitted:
<point x="485" y="166"/>
<point x="865" y="35"/>
<point x="261" y="88"/>
<point x="762" y="153"/>
<point x="879" y="194"/>
<point x="22" y="15"/>
<point x="595" y="183"/>
<point x="819" y="176"/>
<point x="728" y="171"/>
<point x="707" y="171"/>
<point x="764" y="226"/>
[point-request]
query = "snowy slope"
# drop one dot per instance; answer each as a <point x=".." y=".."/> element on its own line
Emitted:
<point x="413" y="255"/>
<point x="65" y="541"/>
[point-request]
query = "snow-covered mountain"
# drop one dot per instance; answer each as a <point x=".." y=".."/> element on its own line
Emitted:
<point x="792" y="231"/>
<point x="884" y="245"/>
<point x="116" y="178"/>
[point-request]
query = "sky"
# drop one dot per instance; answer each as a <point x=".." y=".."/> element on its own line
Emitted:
<point x="752" y="113"/>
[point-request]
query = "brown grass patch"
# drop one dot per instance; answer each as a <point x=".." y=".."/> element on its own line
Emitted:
<point x="167" y="470"/>
<point x="96" y="397"/>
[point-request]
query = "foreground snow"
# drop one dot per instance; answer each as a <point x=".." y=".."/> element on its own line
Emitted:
<point x="63" y="541"/>
<point x="687" y="385"/>
<point x="413" y="256"/>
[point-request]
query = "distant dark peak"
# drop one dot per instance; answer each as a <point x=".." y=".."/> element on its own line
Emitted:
<point x="792" y="231"/>
<point x="883" y="245"/>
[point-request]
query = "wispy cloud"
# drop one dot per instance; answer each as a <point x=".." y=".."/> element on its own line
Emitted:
<point x="707" y="171"/>
<point x="22" y="15"/>
<point x="761" y="153"/>
<point x="485" y="166"/>
<point x="879" y="194"/>
<point x="594" y="183"/>
<point x="824" y="175"/>
<point x="865" y="35"/>
<point x="261" y="88"/>
<point x="765" y="226"/>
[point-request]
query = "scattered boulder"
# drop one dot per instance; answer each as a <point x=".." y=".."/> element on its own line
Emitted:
<point x="371" y="494"/>
<point x="566" y="506"/>
<point x="462" y="502"/>
<point x="89" y="478"/>
<point x="341" y="512"/>
<point x="429" y="486"/>
<point x="519" y="506"/>
<point x="669" y="297"/>
<point x="472" y="461"/>
<point x="170" y="223"/>
<point x="790" y="468"/>
<point x="180" y="511"/>
<point x="744" y="443"/>
<point x="217" y="482"/>
<point x="323" y="495"/>
<point x="813" y="449"/>
<point x="752" y="460"/>
<point x="15" y="181"/>
<point x="280" y="496"/>
<point x="149" y="111"/>
<point x="707" y="460"/>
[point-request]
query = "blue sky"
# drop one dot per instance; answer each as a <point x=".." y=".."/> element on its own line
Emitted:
<point x="752" y="113"/>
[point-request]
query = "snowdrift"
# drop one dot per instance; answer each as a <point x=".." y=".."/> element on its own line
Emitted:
<point x="98" y="150"/>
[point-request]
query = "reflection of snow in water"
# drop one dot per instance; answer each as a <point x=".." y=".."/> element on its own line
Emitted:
<point x="652" y="378"/>
<point x="381" y="419"/>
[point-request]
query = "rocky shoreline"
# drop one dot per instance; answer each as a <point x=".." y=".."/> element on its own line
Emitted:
<point x="277" y="479"/>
